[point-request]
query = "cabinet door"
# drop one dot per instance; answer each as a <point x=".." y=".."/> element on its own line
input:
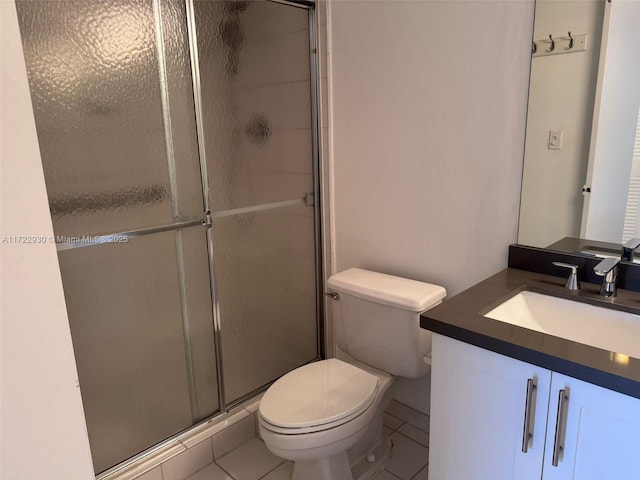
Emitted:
<point x="478" y="404"/>
<point x="599" y="432"/>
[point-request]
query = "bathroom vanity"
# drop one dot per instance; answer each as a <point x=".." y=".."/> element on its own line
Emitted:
<point x="518" y="401"/>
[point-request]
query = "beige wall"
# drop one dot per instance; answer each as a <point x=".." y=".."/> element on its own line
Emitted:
<point x="428" y="110"/>
<point x="42" y="433"/>
<point x="428" y="106"/>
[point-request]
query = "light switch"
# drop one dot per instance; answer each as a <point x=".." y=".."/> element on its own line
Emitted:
<point x="555" y="140"/>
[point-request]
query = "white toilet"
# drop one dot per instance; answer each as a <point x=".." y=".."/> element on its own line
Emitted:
<point x="326" y="417"/>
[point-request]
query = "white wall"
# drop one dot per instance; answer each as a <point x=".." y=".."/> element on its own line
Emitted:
<point x="42" y="432"/>
<point x="561" y="98"/>
<point x="428" y="107"/>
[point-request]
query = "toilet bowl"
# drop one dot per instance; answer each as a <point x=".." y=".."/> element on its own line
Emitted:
<point x="326" y="416"/>
<point x="316" y="413"/>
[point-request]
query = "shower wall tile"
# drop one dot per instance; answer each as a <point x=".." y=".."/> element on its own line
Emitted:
<point x="215" y="427"/>
<point x="252" y="405"/>
<point x="234" y="436"/>
<point x="149" y="464"/>
<point x="300" y="234"/>
<point x="269" y="23"/>
<point x="195" y="452"/>
<point x="289" y="186"/>
<point x="189" y="462"/>
<point x="280" y="102"/>
<point x="258" y="66"/>
<point x="155" y="474"/>
<point x="285" y="233"/>
<point x="281" y="153"/>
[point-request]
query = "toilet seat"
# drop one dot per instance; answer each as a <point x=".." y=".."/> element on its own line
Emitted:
<point x="318" y="396"/>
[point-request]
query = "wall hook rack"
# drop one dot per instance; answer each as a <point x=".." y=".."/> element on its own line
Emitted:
<point x="559" y="45"/>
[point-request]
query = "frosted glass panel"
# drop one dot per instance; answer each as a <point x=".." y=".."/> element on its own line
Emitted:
<point x="268" y="296"/>
<point x="256" y="102"/>
<point x="113" y="106"/>
<point x="126" y="319"/>
<point x="256" y="99"/>
<point x="113" y="100"/>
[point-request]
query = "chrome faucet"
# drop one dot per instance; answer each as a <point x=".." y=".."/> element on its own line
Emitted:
<point x="608" y="268"/>
<point x="628" y="249"/>
<point x="572" y="282"/>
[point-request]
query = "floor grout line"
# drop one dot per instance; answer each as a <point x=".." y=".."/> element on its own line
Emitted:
<point x="273" y="469"/>
<point x="220" y="467"/>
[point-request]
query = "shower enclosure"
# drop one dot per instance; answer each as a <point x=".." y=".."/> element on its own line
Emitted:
<point x="179" y="145"/>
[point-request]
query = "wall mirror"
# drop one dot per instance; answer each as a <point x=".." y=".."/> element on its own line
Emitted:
<point x="581" y="178"/>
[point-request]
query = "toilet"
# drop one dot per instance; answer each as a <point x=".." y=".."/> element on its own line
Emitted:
<point x="326" y="416"/>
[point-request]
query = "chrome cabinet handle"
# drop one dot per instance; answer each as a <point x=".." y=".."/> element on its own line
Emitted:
<point x="527" y="434"/>
<point x="563" y="399"/>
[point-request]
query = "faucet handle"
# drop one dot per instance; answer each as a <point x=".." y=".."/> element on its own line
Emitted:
<point x="628" y="249"/>
<point x="572" y="282"/>
<point x="608" y="268"/>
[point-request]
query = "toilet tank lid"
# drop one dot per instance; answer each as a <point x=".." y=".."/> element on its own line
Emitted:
<point x="387" y="289"/>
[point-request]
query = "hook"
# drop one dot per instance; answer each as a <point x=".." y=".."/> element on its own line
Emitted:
<point x="570" y="41"/>
<point x="553" y="44"/>
<point x="534" y="47"/>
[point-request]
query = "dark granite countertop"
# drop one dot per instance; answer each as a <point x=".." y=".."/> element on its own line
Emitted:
<point x="461" y="317"/>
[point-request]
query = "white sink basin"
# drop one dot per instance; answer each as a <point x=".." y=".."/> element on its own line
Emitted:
<point x="604" y="328"/>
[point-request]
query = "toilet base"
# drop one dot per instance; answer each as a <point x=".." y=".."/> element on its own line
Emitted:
<point x="338" y="466"/>
<point x="363" y="469"/>
<point x="328" y="468"/>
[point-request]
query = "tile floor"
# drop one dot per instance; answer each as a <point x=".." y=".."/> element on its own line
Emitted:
<point x="408" y="428"/>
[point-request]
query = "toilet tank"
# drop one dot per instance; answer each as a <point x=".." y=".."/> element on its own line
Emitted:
<point x="377" y="319"/>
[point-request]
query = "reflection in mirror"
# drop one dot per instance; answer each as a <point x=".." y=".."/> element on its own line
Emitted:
<point x="581" y="173"/>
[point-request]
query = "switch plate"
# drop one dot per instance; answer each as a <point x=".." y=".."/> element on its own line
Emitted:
<point x="555" y="140"/>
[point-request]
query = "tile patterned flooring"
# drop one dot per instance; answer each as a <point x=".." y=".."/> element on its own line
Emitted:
<point x="408" y="428"/>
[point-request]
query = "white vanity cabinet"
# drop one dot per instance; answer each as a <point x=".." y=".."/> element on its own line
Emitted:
<point x="494" y="417"/>
<point x="601" y="434"/>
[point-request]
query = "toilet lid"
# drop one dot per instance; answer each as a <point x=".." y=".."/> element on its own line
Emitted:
<point x="317" y="394"/>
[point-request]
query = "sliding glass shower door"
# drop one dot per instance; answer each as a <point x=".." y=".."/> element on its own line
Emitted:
<point x="255" y="83"/>
<point x="177" y="141"/>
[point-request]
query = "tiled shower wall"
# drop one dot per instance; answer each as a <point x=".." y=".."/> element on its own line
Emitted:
<point x="209" y="443"/>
